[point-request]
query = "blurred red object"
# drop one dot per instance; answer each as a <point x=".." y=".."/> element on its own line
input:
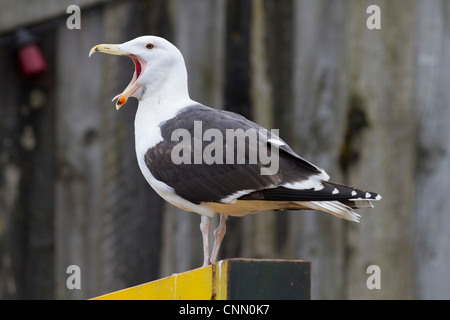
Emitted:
<point x="30" y="57"/>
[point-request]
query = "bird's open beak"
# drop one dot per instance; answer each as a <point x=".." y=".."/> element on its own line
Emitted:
<point x="139" y="65"/>
<point x="108" y="48"/>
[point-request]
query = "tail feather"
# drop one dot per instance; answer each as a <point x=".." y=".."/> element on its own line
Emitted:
<point x="330" y="192"/>
<point x="335" y="208"/>
<point x="334" y="198"/>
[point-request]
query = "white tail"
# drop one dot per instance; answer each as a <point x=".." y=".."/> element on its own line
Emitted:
<point x="335" y="208"/>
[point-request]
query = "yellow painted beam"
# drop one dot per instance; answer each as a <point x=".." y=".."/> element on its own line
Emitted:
<point x="227" y="279"/>
<point x="199" y="284"/>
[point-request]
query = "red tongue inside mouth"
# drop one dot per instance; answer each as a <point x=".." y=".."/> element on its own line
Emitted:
<point x="138" y="67"/>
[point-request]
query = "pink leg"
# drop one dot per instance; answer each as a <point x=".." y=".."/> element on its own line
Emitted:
<point x="219" y="233"/>
<point x="204" y="228"/>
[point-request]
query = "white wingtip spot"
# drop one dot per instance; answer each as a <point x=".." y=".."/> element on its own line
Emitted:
<point x="335" y="191"/>
<point x="368" y="195"/>
<point x="354" y="193"/>
<point x="311" y="183"/>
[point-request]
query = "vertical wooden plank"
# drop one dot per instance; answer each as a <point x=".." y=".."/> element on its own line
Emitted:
<point x="11" y="212"/>
<point x="433" y="168"/>
<point x="37" y="142"/>
<point x="79" y="172"/>
<point x="112" y="138"/>
<point x="204" y="54"/>
<point x="357" y="72"/>
<point x="260" y="86"/>
<point x="26" y="179"/>
<point x="237" y="70"/>
<point x="319" y="86"/>
<point x="9" y="177"/>
<point x="383" y="76"/>
<point x="279" y="45"/>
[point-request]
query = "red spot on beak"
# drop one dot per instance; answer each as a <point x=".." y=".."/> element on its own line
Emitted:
<point x="122" y="100"/>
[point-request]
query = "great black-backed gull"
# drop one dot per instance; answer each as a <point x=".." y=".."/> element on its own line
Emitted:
<point x="211" y="161"/>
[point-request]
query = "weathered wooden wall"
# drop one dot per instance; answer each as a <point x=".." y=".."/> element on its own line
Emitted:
<point x="432" y="101"/>
<point x="369" y="106"/>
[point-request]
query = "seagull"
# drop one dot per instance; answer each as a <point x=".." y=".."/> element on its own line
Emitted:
<point x="210" y="161"/>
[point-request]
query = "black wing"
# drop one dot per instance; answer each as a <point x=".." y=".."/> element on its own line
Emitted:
<point x="216" y="182"/>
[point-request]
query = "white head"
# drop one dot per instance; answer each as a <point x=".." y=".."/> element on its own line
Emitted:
<point x="159" y="68"/>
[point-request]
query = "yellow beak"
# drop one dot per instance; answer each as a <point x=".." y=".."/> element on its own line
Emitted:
<point x="108" y="48"/>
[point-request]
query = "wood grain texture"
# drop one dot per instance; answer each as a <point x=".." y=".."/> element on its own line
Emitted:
<point x="369" y="106"/>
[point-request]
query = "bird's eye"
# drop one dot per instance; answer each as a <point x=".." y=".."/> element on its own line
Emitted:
<point x="150" y="46"/>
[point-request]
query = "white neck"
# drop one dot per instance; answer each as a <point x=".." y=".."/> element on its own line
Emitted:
<point x="160" y="100"/>
<point x="165" y="87"/>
